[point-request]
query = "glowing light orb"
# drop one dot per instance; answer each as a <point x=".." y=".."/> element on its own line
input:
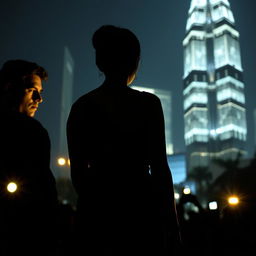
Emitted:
<point x="61" y="161"/>
<point x="213" y="205"/>
<point x="233" y="200"/>
<point x="186" y="191"/>
<point x="12" y="187"/>
<point x="176" y="196"/>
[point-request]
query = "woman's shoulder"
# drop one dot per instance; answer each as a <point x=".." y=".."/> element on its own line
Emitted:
<point x="85" y="99"/>
<point x="148" y="96"/>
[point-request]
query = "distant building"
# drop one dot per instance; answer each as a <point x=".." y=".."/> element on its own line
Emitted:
<point x="214" y="100"/>
<point x="166" y="101"/>
<point x="177" y="164"/>
<point x="66" y="103"/>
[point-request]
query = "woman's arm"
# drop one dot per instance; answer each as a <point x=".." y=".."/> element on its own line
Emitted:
<point x="162" y="177"/>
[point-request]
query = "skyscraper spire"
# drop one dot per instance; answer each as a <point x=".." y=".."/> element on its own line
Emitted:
<point x="214" y="102"/>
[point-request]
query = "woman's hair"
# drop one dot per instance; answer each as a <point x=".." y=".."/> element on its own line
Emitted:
<point x="117" y="50"/>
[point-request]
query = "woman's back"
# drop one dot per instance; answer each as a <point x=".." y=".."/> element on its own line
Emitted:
<point x="114" y="133"/>
<point x="117" y="121"/>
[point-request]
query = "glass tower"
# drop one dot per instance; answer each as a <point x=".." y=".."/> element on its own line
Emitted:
<point x="213" y="92"/>
<point x="66" y="103"/>
<point x="166" y="101"/>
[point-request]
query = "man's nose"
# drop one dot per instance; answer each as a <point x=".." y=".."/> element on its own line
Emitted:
<point x="38" y="97"/>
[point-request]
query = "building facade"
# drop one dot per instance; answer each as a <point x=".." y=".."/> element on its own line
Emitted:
<point x="165" y="98"/>
<point x="213" y="87"/>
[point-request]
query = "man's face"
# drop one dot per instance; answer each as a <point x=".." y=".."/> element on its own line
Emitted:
<point x="32" y="96"/>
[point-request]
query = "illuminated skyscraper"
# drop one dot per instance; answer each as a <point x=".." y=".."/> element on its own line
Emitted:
<point x="214" y="101"/>
<point x="165" y="98"/>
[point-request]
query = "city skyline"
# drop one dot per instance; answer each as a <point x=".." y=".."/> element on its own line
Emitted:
<point x="38" y="31"/>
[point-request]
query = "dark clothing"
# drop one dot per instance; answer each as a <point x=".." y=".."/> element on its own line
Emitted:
<point x="119" y="169"/>
<point x="28" y="216"/>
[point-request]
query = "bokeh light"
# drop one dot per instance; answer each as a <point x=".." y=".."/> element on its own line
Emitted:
<point x="12" y="187"/>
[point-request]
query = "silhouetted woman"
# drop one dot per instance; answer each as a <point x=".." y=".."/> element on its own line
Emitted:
<point x="118" y="159"/>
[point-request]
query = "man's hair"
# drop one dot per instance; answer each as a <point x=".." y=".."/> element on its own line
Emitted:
<point x="15" y="73"/>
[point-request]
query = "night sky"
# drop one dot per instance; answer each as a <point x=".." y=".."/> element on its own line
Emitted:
<point x="38" y="31"/>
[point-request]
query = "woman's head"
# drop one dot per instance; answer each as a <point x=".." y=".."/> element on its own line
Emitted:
<point x="117" y="51"/>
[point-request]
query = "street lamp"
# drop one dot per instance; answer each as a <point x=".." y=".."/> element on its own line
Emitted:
<point x="213" y="205"/>
<point x="233" y="200"/>
<point x="176" y="196"/>
<point x="186" y="191"/>
<point x="12" y="187"/>
<point x="61" y="161"/>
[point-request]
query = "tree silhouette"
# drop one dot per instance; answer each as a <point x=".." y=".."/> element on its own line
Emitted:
<point x="231" y="171"/>
<point x="202" y="178"/>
